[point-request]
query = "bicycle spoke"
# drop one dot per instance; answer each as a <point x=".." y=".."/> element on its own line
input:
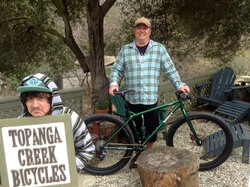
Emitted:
<point x="113" y="151"/>
<point x="212" y="146"/>
<point x="203" y="128"/>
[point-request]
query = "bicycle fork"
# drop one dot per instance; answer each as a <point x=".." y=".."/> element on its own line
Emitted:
<point x="193" y="136"/>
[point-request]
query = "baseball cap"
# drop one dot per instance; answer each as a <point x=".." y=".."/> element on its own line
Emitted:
<point x="33" y="85"/>
<point x="143" y="20"/>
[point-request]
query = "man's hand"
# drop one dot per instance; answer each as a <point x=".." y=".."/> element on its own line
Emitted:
<point x="184" y="89"/>
<point x="112" y="89"/>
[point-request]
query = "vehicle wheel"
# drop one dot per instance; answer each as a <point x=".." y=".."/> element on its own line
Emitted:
<point x="207" y="126"/>
<point x="111" y="153"/>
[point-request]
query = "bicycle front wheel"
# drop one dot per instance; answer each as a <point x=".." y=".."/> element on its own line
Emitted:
<point x="112" y="151"/>
<point x="215" y="140"/>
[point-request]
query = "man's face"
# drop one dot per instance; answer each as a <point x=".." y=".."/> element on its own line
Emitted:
<point x="142" y="32"/>
<point x="38" y="106"/>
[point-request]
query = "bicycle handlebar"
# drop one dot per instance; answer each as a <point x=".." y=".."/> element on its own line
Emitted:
<point x="179" y="94"/>
<point x="123" y="92"/>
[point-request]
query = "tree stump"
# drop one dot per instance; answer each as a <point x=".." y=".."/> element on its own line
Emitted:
<point x="168" y="166"/>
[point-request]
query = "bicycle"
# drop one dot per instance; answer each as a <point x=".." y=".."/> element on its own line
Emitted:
<point x="115" y="143"/>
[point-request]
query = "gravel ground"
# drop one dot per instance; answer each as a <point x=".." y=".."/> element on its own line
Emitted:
<point x="232" y="173"/>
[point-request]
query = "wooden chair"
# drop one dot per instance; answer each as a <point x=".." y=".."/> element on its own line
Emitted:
<point x="220" y="88"/>
<point x="216" y="142"/>
<point x="234" y="111"/>
<point x="231" y="111"/>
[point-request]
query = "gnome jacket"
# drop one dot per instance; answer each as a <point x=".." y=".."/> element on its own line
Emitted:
<point x="84" y="147"/>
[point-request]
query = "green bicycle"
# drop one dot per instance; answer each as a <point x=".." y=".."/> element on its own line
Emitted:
<point x="115" y="143"/>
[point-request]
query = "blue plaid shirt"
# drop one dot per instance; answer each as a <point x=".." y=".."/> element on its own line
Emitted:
<point x="142" y="73"/>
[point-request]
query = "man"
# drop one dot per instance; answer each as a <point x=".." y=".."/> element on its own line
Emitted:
<point x="140" y="63"/>
<point x="39" y="97"/>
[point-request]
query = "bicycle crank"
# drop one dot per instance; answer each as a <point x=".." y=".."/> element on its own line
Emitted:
<point x="133" y="161"/>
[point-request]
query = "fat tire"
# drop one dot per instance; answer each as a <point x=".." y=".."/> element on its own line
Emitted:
<point x="119" y="165"/>
<point x="211" y="117"/>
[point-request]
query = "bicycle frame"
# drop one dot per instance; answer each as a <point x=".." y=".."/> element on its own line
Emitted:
<point x="114" y="141"/>
<point x="131" y="115"/>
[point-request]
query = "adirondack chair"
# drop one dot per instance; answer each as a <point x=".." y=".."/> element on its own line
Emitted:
<point x="234" y="111"/>
<point x="215" y="142"/>
<point x="231" y="111"/>
<point x="220" y="88"/>
<point x="223" y="83"/>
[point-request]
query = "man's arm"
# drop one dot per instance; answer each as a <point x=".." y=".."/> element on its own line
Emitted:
<point x="171" y="73"/>
<point x="116" y="72"/>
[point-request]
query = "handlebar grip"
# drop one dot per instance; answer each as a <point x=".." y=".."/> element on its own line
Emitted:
<point x="182" y="95"/>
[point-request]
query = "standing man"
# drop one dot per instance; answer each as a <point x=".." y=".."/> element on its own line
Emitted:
<point x="39" y="97"/>
<point x="140" y="63"/>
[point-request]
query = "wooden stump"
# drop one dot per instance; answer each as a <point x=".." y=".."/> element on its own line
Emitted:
<point x="168" y="166"/>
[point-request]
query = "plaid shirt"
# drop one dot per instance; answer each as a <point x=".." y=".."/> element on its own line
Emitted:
<point x="142" y="73"/>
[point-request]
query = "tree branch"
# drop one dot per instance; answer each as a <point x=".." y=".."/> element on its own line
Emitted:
<point x="39" y="28"/>
<point x="51" y="31"/>
<point x="62" y="12"/>
<point x="69" y="38"/>
<point x="106" y="6"/>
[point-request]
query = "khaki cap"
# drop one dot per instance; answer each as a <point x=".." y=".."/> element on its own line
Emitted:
<point x="144" y="21"/>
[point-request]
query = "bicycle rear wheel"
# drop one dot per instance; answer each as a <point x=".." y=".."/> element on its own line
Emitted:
<point x="110" y="155"/>
<point x="216" y="140"/>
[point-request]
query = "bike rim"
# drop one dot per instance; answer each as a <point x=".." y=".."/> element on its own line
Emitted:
<point x="110" y="156"/>
<point x="214" y="148"/>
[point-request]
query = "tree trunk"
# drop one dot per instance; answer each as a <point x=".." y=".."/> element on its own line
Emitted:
<point x="167" y="166"/>
<point x="95" y="60"/>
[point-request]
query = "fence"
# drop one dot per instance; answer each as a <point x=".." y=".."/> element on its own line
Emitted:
<point x="10" y="107"/>
<point x="167" y="91"/>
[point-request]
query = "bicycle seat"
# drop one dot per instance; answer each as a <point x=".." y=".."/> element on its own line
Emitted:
<point x="123" y="92"/>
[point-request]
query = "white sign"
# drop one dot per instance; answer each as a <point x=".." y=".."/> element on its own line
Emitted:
<point x="36" y="155"/>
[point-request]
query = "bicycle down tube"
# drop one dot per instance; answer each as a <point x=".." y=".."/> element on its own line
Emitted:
<point x="131" y="115"/>
<point x="178" y="104"/>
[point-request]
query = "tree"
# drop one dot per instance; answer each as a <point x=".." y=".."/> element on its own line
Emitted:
<point x="22" y="45"/>
<point x="34" y="29"/>
<point x="211" y="28"/>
